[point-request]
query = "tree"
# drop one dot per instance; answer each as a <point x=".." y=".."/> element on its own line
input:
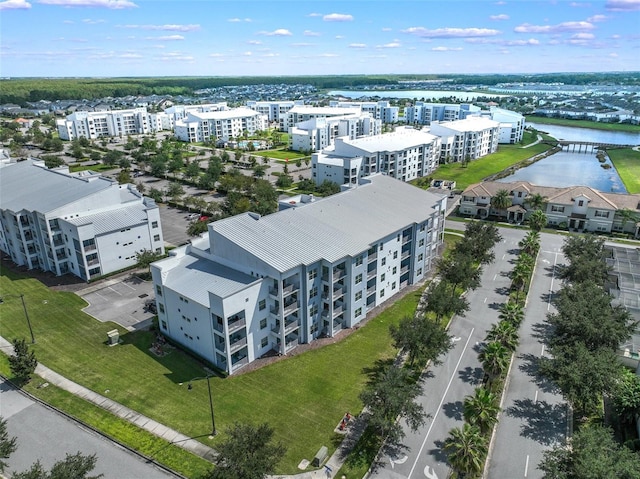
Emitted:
<point x="158" y="167"/>
<point x="74" y="466"/>
<point x="7" y="445"/>
<point x="536" y="201"/>
<point x="284" y="181"/>
<point x="511" y="312"/>
<point x="586" y="256"/>
<point x="175" y="191"/>
<point x="530" y="244"/>
<point x="259" y="171"/>
<point x="495" y="359"/>
<point x="145" y="257"/>
<point x="592" y="453"/>
<point x="23" y="362"/>
<point x="537" y="220"/>
<point x="124" y="177"/>
<point x="155" y="194"/>
<point x="112" y="157"/>
<point x="440" y="302"/>
<point x="459" y="270"/>
<point x="501" y="201"/>
<point x="466" y="449"/>
<point x="627" y="216"/>
<point x="626" y="396"/>
<point x="521" y="272"/>
<point x="197" y="227"/>
<point x="192" y="170"/>
<point x="248" y="452"/>
<point x="388" y="395"/>
<point x="478" y="241"/>
<point x="420" y="338"/>
<point x="504" y="333"/>
<point x="52" y="161"/>
<point x="481" y="409"/>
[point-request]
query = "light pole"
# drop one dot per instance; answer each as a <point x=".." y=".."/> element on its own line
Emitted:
<point x="213" y="420"/>
<point x="26" y="314"/>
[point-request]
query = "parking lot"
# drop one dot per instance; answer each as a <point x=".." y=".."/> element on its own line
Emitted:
<point x="121" y="300"/>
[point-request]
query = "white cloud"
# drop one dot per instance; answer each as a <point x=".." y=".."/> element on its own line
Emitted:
<point x="254" y="42"/>
<point x="338" y="17"/>
<point x="167" y="27"/>
<point x="167" y="38"/>
<point x="110" y="4"/>
<point x="216" y="55"/>
<point x="386" y="29"/>
<point x="559" y="28"/>
<point x="357" y="45"/>
<point x="579" y="4"/>
<point x="613" y="55"/>
<point x="238" y="20"/>
<point x="623" y="5"/>
<point x="176" y="56"/>
<point x="583" y="36"/>
<point x="314" y="15"/>
<point x="502" y="16"/>
<point x="302" y="44"/>
<point x="496" y="41"/>
<point x="309" y="33"/>
<point x="446" y="49"/>
<point x="394" y="44"/>
<point x="89" y="21"/>
<point x="451" y="32"/>
<point x="339" y="37"/>
<point x="247" y="54"/>
<point x="597" y="18"/>
<point x="328" y="55"/>
<point x="280" y="32"/>
<point x="15" y="5"/>
<point x="131" y="55"/>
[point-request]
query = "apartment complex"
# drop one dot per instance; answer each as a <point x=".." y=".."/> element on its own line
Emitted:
<point x="404" y="154"/>
<point x="318" y="133"/>
<point x="83" y="224"/>
<point x="578" y="208"/>
<point x="219" y="125"/>
<point x="380" y="110"/>
<point x="300" y="113"/>
<point x="98" y="124"/>
<point x="468" y="139"/>
<point x="423" y="113"/>
<point x="511" y="124"/>
<point x="254" y="285"/>
<point x="275" y="111"/>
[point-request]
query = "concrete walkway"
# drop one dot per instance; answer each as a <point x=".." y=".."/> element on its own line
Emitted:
<point x="174" y="437"/>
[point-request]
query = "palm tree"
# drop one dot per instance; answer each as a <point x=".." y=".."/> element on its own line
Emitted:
<point x="511" y="312"/>
<point x="530" y="244"/>
<point x="626" y="215"/>
<point x="501" y="201"/>
<point x="537" y="220"/>
<point x="536" y="201"/>
<point x="495" y="360"/>
<point x="522" y="272"/>
<point x="481" y="409"/>
<point x="504" y="333"/>
<point x="259" y="171"/>
<point x="467" y="450"/>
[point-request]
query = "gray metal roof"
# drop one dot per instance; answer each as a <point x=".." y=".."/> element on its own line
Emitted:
<point x="24" y="185"/>
<point x="341" y="225"/>
<point x="194" y="278"/>
<point x="114" y="220"/>
<point x="401" y="139"/>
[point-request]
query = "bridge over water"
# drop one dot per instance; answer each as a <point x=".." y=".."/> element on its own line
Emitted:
<point x="587" y="146"/>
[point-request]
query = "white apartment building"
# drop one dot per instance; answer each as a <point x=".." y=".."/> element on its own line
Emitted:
<point x="318" y="133"/>
<point x="83" y="224"/>
<point x="423" y="113"/>
<point x="275" y="111"/>
<point x="404" y="154"/>
<point x="97" y="124"/>
<point x="219" y="125"/>
<point x="471" y="138"/>
<point x="253" y="284"/>
<point x="511" y="126"/>
<point x="179" y="112"/>
<point x="380" y="110"/>
<point x="301" y="113"/>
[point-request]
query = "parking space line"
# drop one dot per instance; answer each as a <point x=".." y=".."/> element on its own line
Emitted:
<point x="117" y="292"/>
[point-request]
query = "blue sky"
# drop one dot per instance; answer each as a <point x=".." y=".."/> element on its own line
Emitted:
<point x="234" y="37"/>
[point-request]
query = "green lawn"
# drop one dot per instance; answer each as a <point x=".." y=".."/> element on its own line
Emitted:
<point x="279" y="154"/>
<point x="627" y="162"/>
<point x="99" y="168"/>
<point x="303" y="397"/>
<point x="477" y="170"/>
<point x="594" y="125"/>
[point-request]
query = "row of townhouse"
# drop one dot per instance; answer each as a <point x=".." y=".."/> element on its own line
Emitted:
<point x="606" y="117"/>
<point x="253" y="285"/>
<point x="86" y="225"/>
<point x="404" y="154"/>
<point x="319" y="133"/>
<point x="221" y="125"/>
<point x="578" y="208"/>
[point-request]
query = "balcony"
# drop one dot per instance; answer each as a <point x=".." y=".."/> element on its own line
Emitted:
<point x="404" y="269"/>
<point x="220" y="346"/>
<point x="405" y="254"/>
<point x="338" y="292"/>
<point x="237" y="344"/>
<point x="288" y="346"/>
<point x="337" y="311"/>
<point x="91" y="247"/>
<point x="337" y="325"/>
<point x="235" y="325"/>
<point x="93" y="262"/>
<point x="291" y="307"/>
<point x="290" y="326"/>
<point x="371" y="274"/>
<point x="339" y="274"/>
<point x="239" y="364"/>
<point x="406" y="239"/>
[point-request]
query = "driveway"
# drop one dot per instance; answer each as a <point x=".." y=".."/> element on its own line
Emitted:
<point x="47" y="436"/>
<point x="120" y="300"/>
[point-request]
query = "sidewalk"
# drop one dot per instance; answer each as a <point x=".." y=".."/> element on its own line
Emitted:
<point x="174" y="437"/>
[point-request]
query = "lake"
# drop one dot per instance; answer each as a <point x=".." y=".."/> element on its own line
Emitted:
<point x="569" y="168"/>
<point x="461" y="95"/>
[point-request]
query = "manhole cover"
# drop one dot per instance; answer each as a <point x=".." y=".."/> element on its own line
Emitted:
<point x="143" y="295"/>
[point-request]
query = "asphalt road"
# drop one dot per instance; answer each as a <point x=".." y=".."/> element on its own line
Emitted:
<point x="48" y="436"/>
<point x="445" y="386"/>
<point x="534" y="416"/>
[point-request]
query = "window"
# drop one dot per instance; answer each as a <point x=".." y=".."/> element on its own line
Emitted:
<point x="398" y="237"/>
<point x="382" y="293"/>
<point x="421" y="242"/>
<point x="395" y="270"/>
<point x="358" y="312"/>
<point x="359" y="278"/>
<point x="158" y="290"/>
<point x="393" y="285"/>
<point x="264" y="342"/>
<point x="422" y="227"/>
<point x="420" y="256"/>
<point x="602" y="214"/>
<point x="164" y="325"/>
<point x="557" y="209"/>
<point x="156" y="237"/>
<point x="161" y="307"/>
<point x="313" y="310"/>
<point x="154" y="224"/>
<point x="359" y="260"/>
<point x="313" y="274"/>
<point x="358" y="296"/>
<point x="383" y="262"/>
<point x="382" y="277"/>
<point x="395" y="255"/>
<point x="263" y="323"/>
<point x="314" y="292"/>
<point x="419" y="272"/>
<point x="581" y="203"/>
<point x="262" y="304"/>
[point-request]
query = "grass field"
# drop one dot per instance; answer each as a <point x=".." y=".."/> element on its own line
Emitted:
<point x="477" y="170"/>
<point x="594" y="125"/>
<point x="627" y="162"/>
<point x="303" y="398"/>
<point x="279" y="154"/>
<point x="99" y="168"/>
